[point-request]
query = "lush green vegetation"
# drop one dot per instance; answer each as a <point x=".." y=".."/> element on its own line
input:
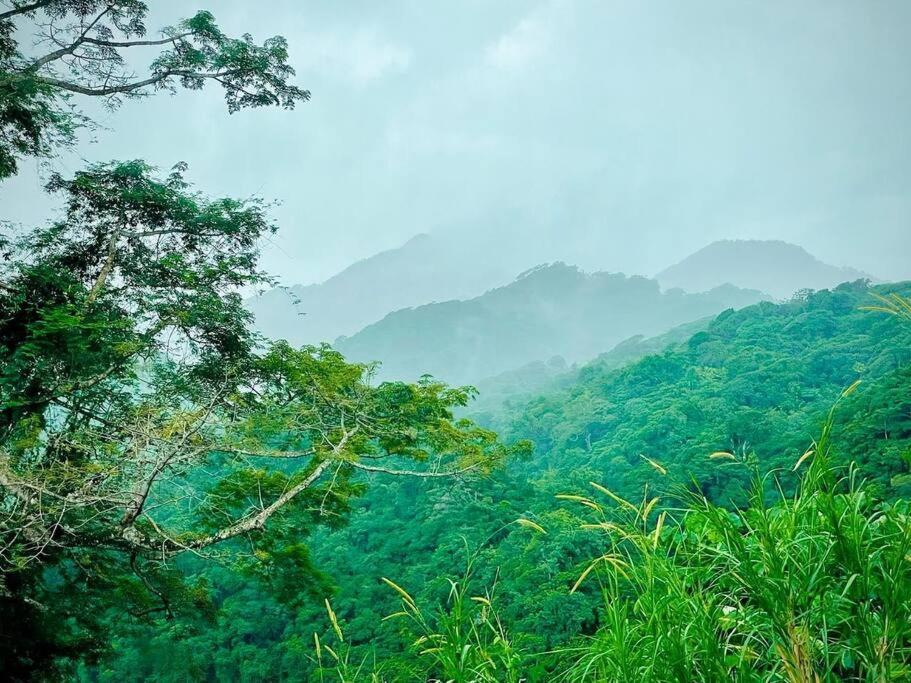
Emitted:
<point x="83" y="53"/>
<point x="145" y="427"/>
<point x="142" y="419"/>
<point x="182" y="498"/>
<point x="753" y="387"/>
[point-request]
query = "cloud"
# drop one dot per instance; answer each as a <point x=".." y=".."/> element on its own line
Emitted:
<point x="519" y="46"/>
<point x="528" y="40"/>
<point x="358" y="57"/>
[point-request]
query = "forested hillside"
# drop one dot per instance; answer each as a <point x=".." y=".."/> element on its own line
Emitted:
<point x="654" y="485"/>
<point x="499" y="395"/>
<point x="548" y="311"/>
<point x="749" y="392"/>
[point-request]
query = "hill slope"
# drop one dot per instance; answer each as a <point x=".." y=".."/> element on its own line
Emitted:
<point x="548" y="311"/>
<point x="777" y="268"/>
<point x="422" y="270"/>
<point x="762" y="378"/>
<point x="501" y="393"/>
<point x="758" y="381"/>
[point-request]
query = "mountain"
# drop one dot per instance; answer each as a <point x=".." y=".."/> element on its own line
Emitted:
<point x="422" y="270"/>
<point x="443" y="268"/>
<point x="548" y="311"/>
<point x="758" y="381"/>
<point x="774" y="267"/>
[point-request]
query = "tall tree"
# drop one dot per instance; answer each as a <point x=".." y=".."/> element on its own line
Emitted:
<point x="142" y="419"/>
<point x="81" y="49"/>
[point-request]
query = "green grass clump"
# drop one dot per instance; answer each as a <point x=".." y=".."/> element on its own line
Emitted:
<point x="813" y="586"/>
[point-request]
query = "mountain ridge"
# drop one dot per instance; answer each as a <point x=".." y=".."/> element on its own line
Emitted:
<point x="552" y="309"/>
<point x="775" y="267"/>
<point x="423" y="269"/>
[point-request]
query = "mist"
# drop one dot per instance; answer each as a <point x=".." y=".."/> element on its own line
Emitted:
<point x="582" y="351"/>
<point x="616" y="136"/>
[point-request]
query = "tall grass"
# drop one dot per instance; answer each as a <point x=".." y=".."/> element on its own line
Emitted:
<point x="805" y="587"/>
<point x="463" y="641"/>
<point x="813" y="586"/>
<point x="336" y="661"/>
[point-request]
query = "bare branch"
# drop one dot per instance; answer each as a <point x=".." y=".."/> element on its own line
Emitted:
<point x="258" y="520"/>
<point x="105" y="269"/>
<point x="288" y="455"/>
<point x="123" y="88"/>
<point x="11" y="482"/>
<point x="165" y="603"/>
<point x="25" y="9"/>
<point x="105" y="90"/>
<point x="413" y="473"/>
<point x="69" y="49"/>
<point x="138" y="43"/>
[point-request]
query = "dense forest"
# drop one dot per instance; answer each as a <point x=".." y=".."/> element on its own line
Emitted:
<point x="687" y="429"/>
<point x="652" y="485"/>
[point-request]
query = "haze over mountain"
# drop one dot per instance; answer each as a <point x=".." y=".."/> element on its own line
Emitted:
<point x="550" y="310"/>
<point x="771" y="266"/>
<point x="436" y="268"/>
<point x="422" y="270"/>
<point x="519" y="385"/>
<point x="701" y="475"/>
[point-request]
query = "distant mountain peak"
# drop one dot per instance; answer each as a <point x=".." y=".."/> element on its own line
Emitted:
<point x="773" y="266"/>
<point x="552" y="309"/>
<point x="553" y="267"/>
<point x="424" y="269"/>
<point x="420" y="238"/>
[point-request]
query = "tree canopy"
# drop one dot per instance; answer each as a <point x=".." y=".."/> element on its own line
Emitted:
<point x="129" y="370"/>
<point x="684" y="425"/>
<point x="144" y="424"/>
<point x="81" y="48"/>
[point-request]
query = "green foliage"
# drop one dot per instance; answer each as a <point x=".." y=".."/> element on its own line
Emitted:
<point x="34" y="119"/>
<point x="814" y="587"/>
<point x="251" y="75"/>
<point x="751" y="386"/>
<point x="501" y="396"/>
<point x="141" y="419"/>
<point x="464" y="641"/>
<point x="86" y="42"/>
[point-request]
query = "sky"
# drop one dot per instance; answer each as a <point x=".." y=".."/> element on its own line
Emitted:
<point x="615" y="135"/>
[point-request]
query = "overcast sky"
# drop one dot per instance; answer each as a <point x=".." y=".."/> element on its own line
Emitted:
<point x="614" y="135"/>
